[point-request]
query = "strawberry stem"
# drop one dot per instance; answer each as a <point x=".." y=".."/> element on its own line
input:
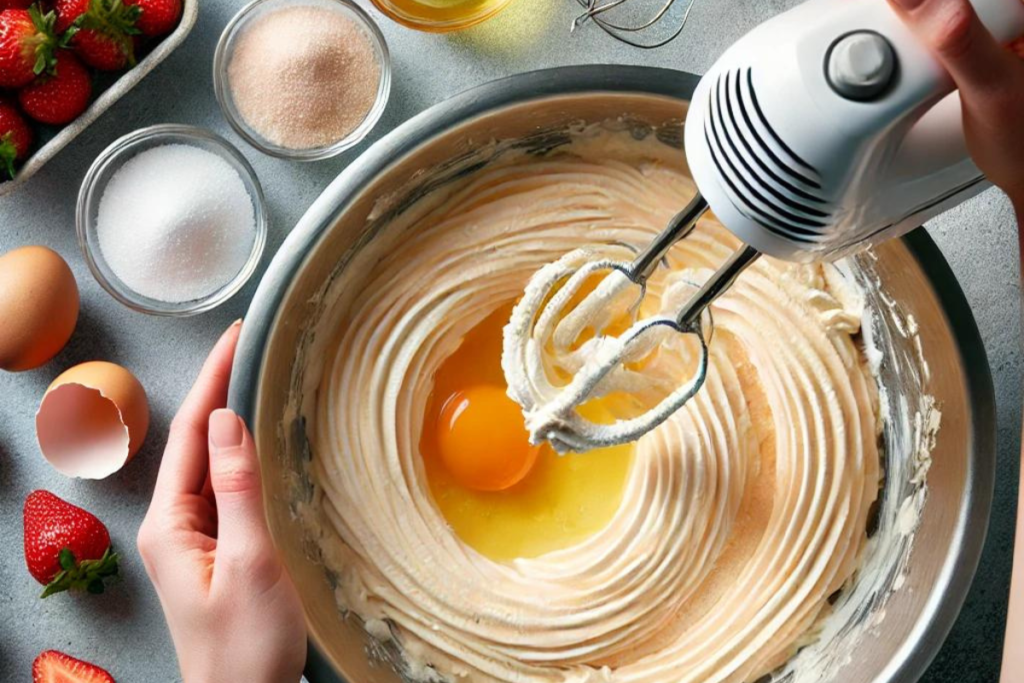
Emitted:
<point x="45" y="40"/>
<point x="86" y="575"/>
<point x="8" y="153"/>
<point x="113" y="19"/>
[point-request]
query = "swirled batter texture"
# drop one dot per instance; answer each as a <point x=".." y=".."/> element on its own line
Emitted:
<point x="740" y="517"/>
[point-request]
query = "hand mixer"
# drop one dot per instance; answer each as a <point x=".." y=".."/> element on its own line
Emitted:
<point x="824" y="130"/>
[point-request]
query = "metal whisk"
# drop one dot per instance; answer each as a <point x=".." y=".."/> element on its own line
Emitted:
<point x="600" y="12"/>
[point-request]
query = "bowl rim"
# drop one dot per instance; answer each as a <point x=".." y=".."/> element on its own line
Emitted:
<point x="222" y="88"/>
<point x="89" y="197"/>
<point x="937" y="618"/>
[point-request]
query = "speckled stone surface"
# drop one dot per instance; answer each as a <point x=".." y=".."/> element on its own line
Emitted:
<point x="125" y="630"/>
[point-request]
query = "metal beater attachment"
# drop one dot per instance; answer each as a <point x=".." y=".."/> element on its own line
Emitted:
<point x="551" y="372"/>
<point x="600" y="12"/>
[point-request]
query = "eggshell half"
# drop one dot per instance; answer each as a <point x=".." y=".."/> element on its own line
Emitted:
<point x="92" y="420"/>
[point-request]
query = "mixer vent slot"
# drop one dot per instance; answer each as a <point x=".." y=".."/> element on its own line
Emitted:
<point x="769" y="182"/>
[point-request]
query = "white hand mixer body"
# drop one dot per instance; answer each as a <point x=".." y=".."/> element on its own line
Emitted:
<point x="823" y="131"/>
<point x="845" y="134"/>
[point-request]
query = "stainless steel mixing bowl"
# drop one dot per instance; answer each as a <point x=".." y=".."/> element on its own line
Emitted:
<point x="933" y="565"/>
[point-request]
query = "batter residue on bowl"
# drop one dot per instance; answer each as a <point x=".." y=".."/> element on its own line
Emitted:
<point x="733" y="523"/>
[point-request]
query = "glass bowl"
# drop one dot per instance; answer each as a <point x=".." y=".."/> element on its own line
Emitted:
<point x="423" y="17"/>
<point x="95" y="183"/>
<point x="222" y="88"/>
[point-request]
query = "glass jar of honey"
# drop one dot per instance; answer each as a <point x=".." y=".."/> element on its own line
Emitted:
<point x="439" y="16"/>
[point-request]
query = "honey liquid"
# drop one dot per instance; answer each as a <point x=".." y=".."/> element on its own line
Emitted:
<point x="440" y="15"/>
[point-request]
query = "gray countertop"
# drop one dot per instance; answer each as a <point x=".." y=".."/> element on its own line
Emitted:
<point x="124" y="630"/>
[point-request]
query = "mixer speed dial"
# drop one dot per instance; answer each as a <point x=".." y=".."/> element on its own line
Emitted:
<point x="861" y="65"/>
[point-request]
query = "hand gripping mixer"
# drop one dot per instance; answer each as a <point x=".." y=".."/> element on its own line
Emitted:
<point x="824" y="130"/>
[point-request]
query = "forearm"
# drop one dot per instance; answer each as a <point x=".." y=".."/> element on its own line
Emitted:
<point x="1013" y="645"/>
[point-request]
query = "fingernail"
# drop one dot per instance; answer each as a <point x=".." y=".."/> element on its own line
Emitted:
<point x="225" y="429"/>
<point x="907" y="5"/>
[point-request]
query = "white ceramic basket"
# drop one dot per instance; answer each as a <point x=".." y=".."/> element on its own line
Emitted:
<point x="189" y="14"/>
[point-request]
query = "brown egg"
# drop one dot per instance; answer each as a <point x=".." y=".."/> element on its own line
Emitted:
<point x="92" y="420"/>
<point x="38" y="307"/>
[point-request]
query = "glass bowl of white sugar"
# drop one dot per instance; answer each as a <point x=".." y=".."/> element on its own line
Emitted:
<point x="302" y="79"/>
<point x="171" y="220"/>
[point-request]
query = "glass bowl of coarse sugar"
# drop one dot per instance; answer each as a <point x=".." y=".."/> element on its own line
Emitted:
<point x="171" y="220"/>
<point x="302" y="79"/>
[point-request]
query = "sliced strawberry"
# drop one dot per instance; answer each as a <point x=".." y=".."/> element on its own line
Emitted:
<point x="101" y="31"/>
<point x="56" y="667"/>
<point x="66" y="548"/>
<point x="15" y="137"/>
<point x="159" y="17"/>
<point x="27" y="45"/>
<point x="61" y="97"/>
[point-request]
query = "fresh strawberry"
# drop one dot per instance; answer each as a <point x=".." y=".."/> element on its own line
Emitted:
<point x="102" y="52"/>
<point x="15" y="137"/>
<point x="101" y="31"/>
<point x="158" y="17"/>
<point x="56" y="667"/>
<point x="59" y="98"/>
<point x="15" y="4"/>
<point x="66" y="548"/>
<point x="27" y="45"/>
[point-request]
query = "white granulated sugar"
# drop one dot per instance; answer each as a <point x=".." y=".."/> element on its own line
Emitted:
<point x="176" y="223"/>
<point x="304" y="77"/>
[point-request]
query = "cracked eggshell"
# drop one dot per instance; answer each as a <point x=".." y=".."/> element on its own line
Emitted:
<point x="92" y="420"/>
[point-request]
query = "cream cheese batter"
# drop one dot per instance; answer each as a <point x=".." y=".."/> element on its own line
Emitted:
<point x="741" y="515"/>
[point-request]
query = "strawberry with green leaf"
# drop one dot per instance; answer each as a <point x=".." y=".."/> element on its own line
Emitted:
<point x="58" y="98"/>
<point x="27" y="45"/>
<point x="66" y="548"/>
<point x="102" y="32"/>
<point x="158" y="17"/>
<point x="15" y="138"/>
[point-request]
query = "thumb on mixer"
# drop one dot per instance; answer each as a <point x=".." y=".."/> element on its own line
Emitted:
<point x="953" y="31"/>
<point x="991" y="82"/>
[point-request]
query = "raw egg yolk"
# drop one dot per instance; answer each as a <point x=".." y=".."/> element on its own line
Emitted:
<point x="475" y="449"/>
<point x="482" y="441"/>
